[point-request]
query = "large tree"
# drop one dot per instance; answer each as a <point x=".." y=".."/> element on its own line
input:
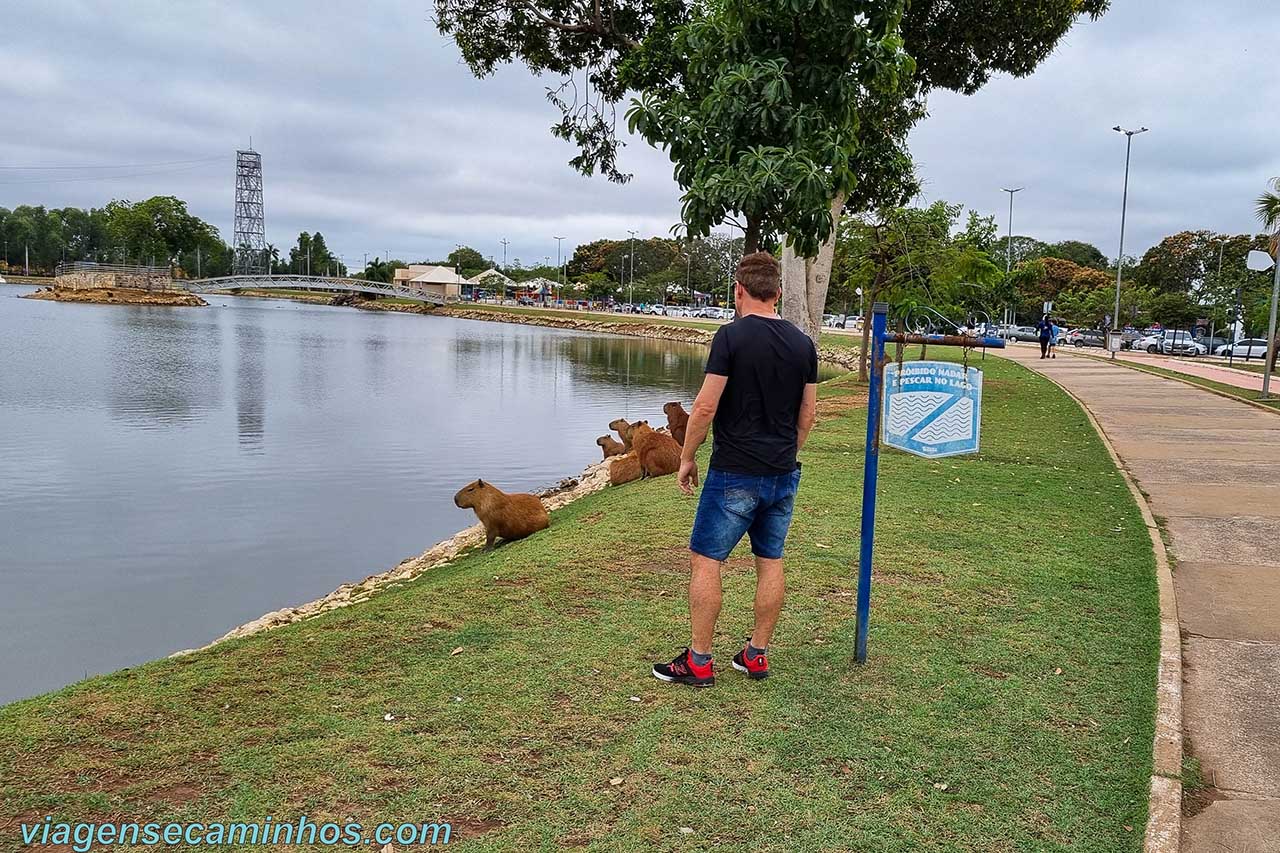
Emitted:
<point x="774" y="111"/>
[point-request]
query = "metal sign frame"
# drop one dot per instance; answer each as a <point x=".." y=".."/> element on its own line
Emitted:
<point x="871" y="466"/>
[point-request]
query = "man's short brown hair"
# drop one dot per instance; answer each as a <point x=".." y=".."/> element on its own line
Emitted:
<point x="760" y="275"/>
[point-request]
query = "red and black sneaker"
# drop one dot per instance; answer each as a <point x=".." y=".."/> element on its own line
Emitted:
<point x="683" y="670"/>
<point x="756" y="668"/>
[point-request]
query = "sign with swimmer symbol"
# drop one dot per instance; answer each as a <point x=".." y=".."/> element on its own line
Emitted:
<point x="932" y="408"/>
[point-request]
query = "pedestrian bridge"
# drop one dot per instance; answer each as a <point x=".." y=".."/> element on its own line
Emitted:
<point x="298" y="282"/>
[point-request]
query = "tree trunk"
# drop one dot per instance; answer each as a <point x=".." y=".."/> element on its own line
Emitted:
<point x="751" y="237"/>
<point x="805" y="281"/>
<point x="869" y="301"/>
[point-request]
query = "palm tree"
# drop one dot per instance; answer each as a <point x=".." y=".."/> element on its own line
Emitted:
<point x="1268" y="207"/>
<point x="1268" y="211"/>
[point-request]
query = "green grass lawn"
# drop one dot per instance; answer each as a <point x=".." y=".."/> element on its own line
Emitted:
<point x="1007" y="704"/>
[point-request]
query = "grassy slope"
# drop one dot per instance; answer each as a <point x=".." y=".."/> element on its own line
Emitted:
<point x="993" y="572"/>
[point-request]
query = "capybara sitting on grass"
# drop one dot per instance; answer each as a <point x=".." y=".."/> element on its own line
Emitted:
<point x="506" y="517"/>
<point x="677" y="420"/>
<point x="624" y="469"/>
<point x="611" y="446"/>
<point x="659" y="454"/>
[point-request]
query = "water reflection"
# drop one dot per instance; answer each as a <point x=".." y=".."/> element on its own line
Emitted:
<point x="155" y="361"/>
<point x="251" y="399"/>
<point x="317" y="445"/>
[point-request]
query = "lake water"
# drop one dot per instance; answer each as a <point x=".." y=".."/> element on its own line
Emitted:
<point x="169" y="473"/>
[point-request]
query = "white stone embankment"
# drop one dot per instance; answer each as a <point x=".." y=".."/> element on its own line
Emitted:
<point x="593" y="479"/>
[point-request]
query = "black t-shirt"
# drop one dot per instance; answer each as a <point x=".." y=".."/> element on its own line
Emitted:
<point x="768" y="362"/>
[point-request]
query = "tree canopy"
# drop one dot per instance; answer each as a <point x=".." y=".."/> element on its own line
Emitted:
<point x="769" y="109"/>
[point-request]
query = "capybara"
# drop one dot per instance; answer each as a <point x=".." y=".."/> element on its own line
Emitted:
<point x="677" y="420"/>
<point x="624" y="469"/>
<point x="623" y="429"/>
<point x="506" y="517"/>
<point x="659" y="454"/>
<point x="610" y="446"/>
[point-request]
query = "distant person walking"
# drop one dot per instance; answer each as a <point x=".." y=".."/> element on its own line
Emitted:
<point x="761" y="393"/>
<point x="1045" y="328"/>
<point x="1053" y="339"/>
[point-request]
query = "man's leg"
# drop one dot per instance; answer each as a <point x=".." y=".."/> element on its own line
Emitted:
<point x="770" y="590"/>
<point x="704" y="601"/>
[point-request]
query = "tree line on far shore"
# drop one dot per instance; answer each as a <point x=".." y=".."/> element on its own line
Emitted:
<point x="941" y="255"/>
<point x="158" y="231"/>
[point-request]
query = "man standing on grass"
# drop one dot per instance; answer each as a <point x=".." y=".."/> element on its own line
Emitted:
<point x="761" y="393"/>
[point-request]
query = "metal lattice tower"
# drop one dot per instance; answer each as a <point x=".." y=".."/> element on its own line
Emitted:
<point x="250" y="225"/>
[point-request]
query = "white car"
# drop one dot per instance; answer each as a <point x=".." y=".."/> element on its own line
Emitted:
<point x="1246" y="348"/>
<point x="1149" y="343"/>
<point x="1181" y="343"/>
<point x="2" y="281"/>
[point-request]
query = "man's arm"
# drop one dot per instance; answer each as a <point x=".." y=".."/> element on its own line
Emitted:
<point x="808" y="414"/>
<point x="695" y="433"/>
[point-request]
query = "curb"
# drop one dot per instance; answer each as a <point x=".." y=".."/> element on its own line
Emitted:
<point x="1164" y="803"/>
<point x="1229" y="396"/>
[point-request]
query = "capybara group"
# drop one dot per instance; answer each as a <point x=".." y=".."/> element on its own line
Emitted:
<point x="659" y="454"/>
<point x="677" y="420"/>
<point x="610" y="446"/>
<point x="506" y="517"/>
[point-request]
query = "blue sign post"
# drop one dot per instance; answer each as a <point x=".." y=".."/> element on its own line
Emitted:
<point x="946" y="422"/>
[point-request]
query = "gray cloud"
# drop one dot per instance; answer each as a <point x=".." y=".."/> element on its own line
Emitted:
<point x="373" y="132"/>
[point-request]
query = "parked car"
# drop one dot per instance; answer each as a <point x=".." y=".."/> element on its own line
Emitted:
<point x="1212" y="344"/>
<point x="1151" y="343"/>
<point x="1181" y="343"/>
<point x="1023" y="333"/>
<point x="1081" y="338"/>
<point x="1244" y="348"/>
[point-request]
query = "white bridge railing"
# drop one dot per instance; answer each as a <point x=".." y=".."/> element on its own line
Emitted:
<point x="353" y="285"/>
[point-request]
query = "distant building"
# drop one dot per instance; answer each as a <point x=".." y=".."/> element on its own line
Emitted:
<point x="427" y="278"/>
<point x="538" y="288"/>
<point x="490" y="279"/>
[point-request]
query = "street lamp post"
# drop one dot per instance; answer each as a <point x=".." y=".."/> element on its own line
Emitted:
<point x="1261" y="262"/>
<point x="559" y="267"/>
<point x="1124" y="209"/>
<point x="1271" y="336"/>
<point x="1008" y="246"/>
<point x="505" y="243"/>
<point x="632" y="276"/>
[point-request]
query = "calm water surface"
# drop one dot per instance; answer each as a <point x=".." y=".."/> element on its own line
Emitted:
<point x="167" y="474"/>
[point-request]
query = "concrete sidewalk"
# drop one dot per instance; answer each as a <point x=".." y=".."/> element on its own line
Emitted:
<point x="1223" y="373"/>
<point x="1211" y="468"/>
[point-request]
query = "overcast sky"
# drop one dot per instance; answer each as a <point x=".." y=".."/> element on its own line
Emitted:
<point x="373" y="132"/>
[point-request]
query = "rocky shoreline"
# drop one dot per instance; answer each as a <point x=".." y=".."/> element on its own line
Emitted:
<point x="593" y="479"/>
<point x="118" y="296"/>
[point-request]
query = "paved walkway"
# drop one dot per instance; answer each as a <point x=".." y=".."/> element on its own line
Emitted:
<point x="1204" y="368"/>
<point x="1211" y="467"/>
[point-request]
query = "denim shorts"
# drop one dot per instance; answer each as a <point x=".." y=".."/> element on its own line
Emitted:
<point x="734" y="504"/>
